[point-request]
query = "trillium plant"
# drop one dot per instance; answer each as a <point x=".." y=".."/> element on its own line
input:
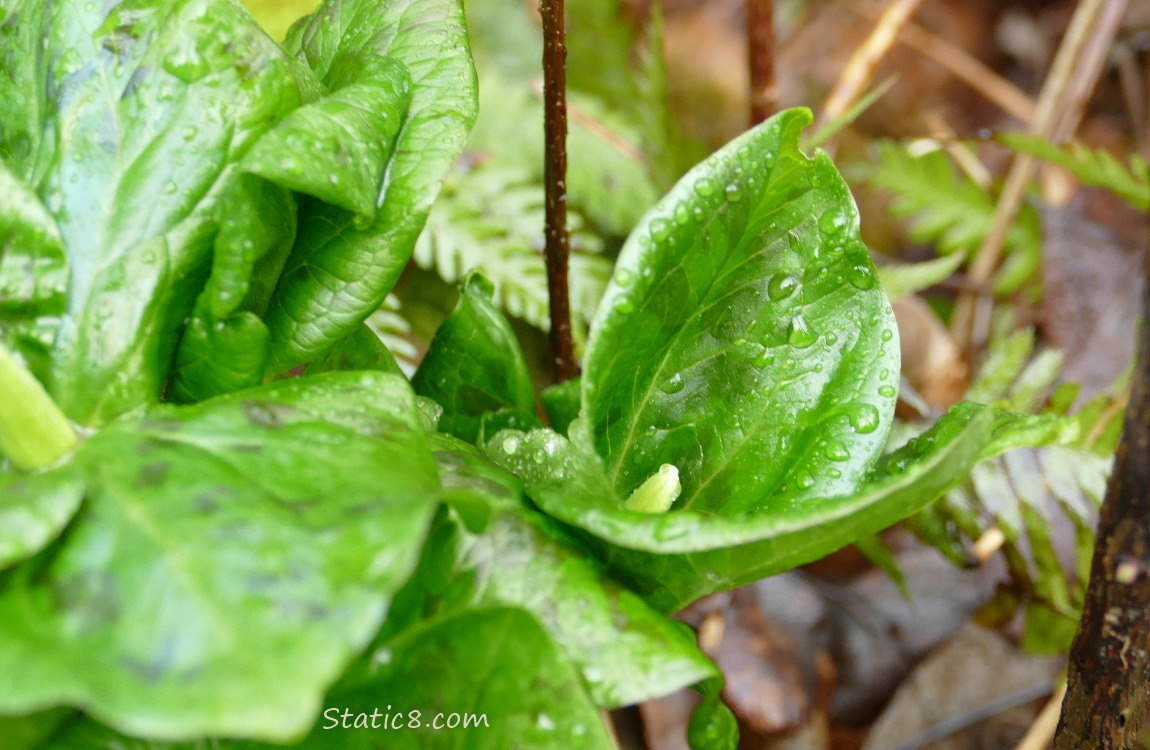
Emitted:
<point x="225" y="511"/>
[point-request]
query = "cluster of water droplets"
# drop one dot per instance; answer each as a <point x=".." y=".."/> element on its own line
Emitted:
<point x="536" y="455"/>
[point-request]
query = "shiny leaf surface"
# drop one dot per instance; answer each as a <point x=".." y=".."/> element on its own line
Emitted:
<point x="475" y="367"/>
<point x="144" y="110"/>
<point x="674" y="558"/>
<point x="342" y="266"/>
<point x="744" y="338"/>
<point x="229" y="560"/>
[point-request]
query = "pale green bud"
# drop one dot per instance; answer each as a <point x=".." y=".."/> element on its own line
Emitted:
<point x="34" y="433"/>
<point x="657" y="494"/>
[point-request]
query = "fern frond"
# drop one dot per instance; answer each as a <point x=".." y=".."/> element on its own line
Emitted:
<point x="1095" y="167"/>
<point x="1041" y="477"/>
<point x="901" y="280"/>
<point x="392" y="328"/>
<point x="951" y="211"/>
<point x="491" y="218"/>
<point x="945" y="208"/>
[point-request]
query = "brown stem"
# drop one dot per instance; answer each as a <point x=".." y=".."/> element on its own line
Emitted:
<point x="1108" y="682"/>
<point x="557" y="247"/>
<point x="761" y="58"/>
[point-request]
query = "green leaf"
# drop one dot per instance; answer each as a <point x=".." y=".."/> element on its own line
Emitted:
<point x="1040" y="475"/>
<point x="25" y="66"/>
<point x="609" y="178"/>
<point x="475" y="367"/>
<point x="561" y="402"/>
<point x="498" y="663"/>
<point x="673" y="558"/>
<point x="146" y="109"/>
<point x="342" y="266"/>
<point x="34" y="510"/>
<point x="599" y="54"/>
<point x="1035" y="471"/>
<point x="338" y="147"/>
<point x="362" y="350"/>
<point x="276" y="16"/>
<point x="33" y="273"/>
<point x="744" y="338"/>
<point x="229" y="560"/>
<point x="625" y="651"/>
<point x="225" y="345"/>
<point x="712" y="725"/>
<point x="30" y="732"/>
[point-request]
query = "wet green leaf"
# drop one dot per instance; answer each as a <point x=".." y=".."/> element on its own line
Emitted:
<point x="744" y="338"/>
<point x="337" y="148"/>
<point x="33" y="273"/>
<point x="225" y="345"/>
<point x="362" y="350"/>
<point x="674" y="558"/>
<point x="143" y="110"/>
<point x="625" y="651"/>
<point x="561" y="402"/>
<point x="499" y="683"/>
<point x="34" y="510"/>
<point x="229" y="560"/>
<point x="475" y="367"/>
<point x="343" y="263"/>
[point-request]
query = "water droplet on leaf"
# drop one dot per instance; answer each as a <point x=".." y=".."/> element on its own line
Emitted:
<point x="837" y="451"/>
<point x="781" y="286"/>
<point x="675" y="384"/>
<point x="864" y="418"/>
<point x="801" y="336"/>
<point x="624" y="306"/>
<point x="833" y="221"/>
<point x="860" y="277"/>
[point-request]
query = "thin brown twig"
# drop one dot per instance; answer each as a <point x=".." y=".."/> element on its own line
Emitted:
<point x="959" y="151"/>
<point x="959" y="63"/>
<point x="557" y="249"/>
<point x="1072" y="76"/>
<point x="860" y="69"/>
<point x="761" y="59"/>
